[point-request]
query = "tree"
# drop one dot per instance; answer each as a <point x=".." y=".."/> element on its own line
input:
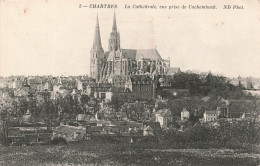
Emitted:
<point x="193" y="119"/>
<point x="4" y="117"/>
<point x="47" y="108"/>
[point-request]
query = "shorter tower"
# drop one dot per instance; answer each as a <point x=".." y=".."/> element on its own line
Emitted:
<point x="96" y="54"/>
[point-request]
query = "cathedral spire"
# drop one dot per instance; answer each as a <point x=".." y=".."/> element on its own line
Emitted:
<point x="114" y="40"/>
<point x="97" y="22"/>
<point x="114" y="22"/>
<point x="97" y="38"/>
<point x="96" y="54"/>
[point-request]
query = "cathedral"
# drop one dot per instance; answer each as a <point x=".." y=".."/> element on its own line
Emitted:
<point x="119" y="61"/>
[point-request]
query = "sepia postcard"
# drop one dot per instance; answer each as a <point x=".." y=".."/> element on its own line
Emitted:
<point x="130" y="82"/>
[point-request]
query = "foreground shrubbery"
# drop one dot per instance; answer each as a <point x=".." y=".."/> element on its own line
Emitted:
<point x="92" y="153"/>
<point x="3" y="140"/>
<point x="227" y="134"/>
<point x="59" y="141"/>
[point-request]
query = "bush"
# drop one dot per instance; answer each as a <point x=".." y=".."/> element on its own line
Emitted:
<point x="3" y="140"/>
<point x="59" y="141"/>
<point x="233" y="135"/>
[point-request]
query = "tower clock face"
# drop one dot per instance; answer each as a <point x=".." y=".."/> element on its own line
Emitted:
<point x="117" y="65"/>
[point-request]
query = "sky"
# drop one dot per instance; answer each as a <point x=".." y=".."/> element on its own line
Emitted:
<point x="54" y="37"/>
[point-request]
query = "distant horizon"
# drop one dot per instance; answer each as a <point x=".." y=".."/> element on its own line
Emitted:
<point x="87" y="75"/>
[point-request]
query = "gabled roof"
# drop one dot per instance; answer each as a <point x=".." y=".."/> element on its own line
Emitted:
<point x="164" y="113"/>
<point x="148" y="128"/>
<point x="34" y="81"/>
<point x="184" y="110"/>
<point x="152" y="54"/>
<point x="69" y="132"/>
<point x="154" y="125"/>
<point x="129" y="53"/>
<point x="133" y="124"/>
<point x="133" y="54"/>
<point x="211" y="112"/>
<point x="14" y="132"/>
<point x="5" y="96"/>
<point x="82" y="117"/>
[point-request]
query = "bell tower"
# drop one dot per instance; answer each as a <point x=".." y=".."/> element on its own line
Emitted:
<point x="114" y="40"/>
<point x="96" y="54"/>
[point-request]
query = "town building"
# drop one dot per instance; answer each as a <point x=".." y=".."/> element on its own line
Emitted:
<point x="69" y="133"/>
<point x="164" y="117"/>
<point x="185" y="115"/>
<point x="148" y="131"/>
<point x="209" y="116"/>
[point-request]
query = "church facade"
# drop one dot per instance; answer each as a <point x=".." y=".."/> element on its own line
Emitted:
<point x="119" y="61"/>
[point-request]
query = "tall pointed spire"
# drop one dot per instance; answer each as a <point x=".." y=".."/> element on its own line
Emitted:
<point x="114" y="40"/>
<point x="97" y="38"/>
<point x="97" y="22"/>
<point x="114" y="22"/>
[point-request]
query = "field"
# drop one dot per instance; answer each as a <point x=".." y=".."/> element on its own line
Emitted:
<point x="90" y="153"/>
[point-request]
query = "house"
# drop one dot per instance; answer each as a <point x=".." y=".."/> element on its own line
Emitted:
<point x="79" y="85"/>
<point x="134" y="125"/>
<point x="6" y="99"/>
<point x="111" y="130"/>
<point x="48" y="86"/>
<point x="82" y="118"/>
<point x="157" y="130"/>
<point x="3" y="83"/>
<point x="185" y="115"/>
<point x="103" y="123"/>
<point x="164" y="117"/>
<point x="121" y="116"/>
<point x="146" y="115"/>
<point x="34" y="82"/>
<point x="24" y="91"/>
<point x="105" y="130"/>
<point x="69" y="133"/>
<point x="12" y="132"/>
<point x="148" y="131"/>
<point x="15" y="136"/>
<point x="209" y="116"/>
<point x="27" y="118"/>
<point x="17" y="84"/>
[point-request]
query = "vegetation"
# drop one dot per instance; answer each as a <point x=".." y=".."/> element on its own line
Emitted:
<point x="226" y="134"/>
<point x="208" y="85"/>
<point x="93" y="153"/>
<point x="59" y="141"/>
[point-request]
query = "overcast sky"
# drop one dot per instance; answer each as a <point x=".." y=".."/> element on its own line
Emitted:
<point x="55" y="37"/>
